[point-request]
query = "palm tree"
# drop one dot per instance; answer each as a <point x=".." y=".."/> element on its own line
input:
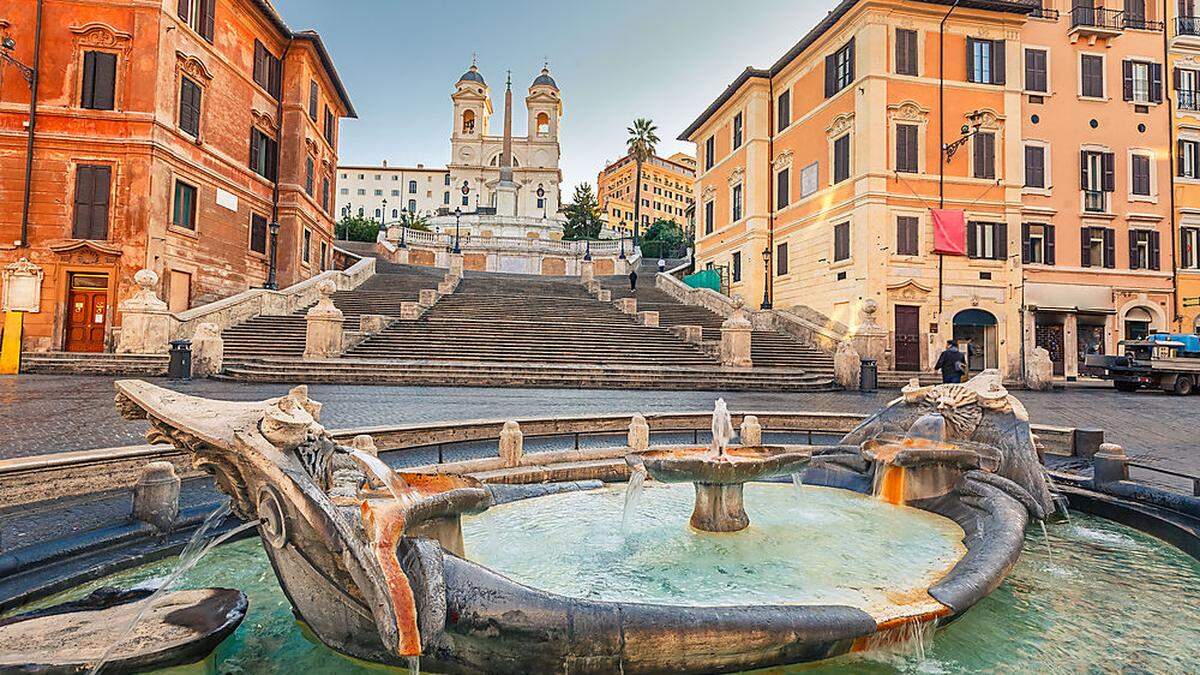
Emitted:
<point x="414" y="221"/>
<point x="642" y="141"/>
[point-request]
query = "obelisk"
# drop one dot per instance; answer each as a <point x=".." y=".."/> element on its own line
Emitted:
<point x="506" y="188"/>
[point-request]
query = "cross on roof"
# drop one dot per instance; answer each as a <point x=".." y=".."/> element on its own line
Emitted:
<point x="474" y="58"/>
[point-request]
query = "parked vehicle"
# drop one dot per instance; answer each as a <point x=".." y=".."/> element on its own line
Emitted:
<point x="1170" y="362"/>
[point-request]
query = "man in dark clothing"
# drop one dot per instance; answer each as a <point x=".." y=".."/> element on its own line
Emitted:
<point x="952" y="363"/>
<point x="633" y="280"/>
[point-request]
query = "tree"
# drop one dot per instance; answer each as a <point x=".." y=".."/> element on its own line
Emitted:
<point x="414" y="221"/>
<point x="583" y="215"/>
<point x="664" y="238"/>
<point x="642" y="142"/>
<point x="357" y="228"/>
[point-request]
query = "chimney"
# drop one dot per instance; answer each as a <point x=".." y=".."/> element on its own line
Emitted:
<point x="385" y="163"/>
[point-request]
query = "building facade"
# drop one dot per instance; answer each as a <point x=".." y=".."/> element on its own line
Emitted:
<point x="1183" y="56"/>
<point x="666" y="190"/>
<point x="383" y="192"/>
<point x="168" y="136"/>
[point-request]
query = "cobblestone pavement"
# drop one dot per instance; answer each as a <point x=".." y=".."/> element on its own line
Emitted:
<point x="50" y="413"/>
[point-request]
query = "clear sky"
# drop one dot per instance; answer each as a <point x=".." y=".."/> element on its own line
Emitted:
<point x="614" y="60"/>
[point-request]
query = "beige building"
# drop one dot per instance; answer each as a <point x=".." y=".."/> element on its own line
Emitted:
<point x="666" y="190"/>
<point x="386" y="191"/>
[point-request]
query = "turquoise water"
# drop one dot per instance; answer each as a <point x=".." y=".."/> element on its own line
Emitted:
<point x="1106" y="599"/>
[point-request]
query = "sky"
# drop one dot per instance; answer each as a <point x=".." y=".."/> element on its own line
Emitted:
<point x="614" y="61"/>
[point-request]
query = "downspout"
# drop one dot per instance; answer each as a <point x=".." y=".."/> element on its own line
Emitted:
<point x="942" y="138"/>
<point x="1176" y="307"/>
<point x="769" y="280"/>
<point x="33" y="97"/>
<point x="278" y="152"/>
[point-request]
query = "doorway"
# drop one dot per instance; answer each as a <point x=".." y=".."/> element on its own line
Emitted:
<point x="1049" y="336"/>
<point x="1137" y="323"/>
<point x="975" y="333"/>
<point x="908" y="337"/>
<point x="87" y="312"/>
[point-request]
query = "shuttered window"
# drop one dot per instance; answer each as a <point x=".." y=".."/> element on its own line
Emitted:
<point x="1141" y="82"/>
<point x="906" y="52"/>
<point x="1097" y="171"/>
<point x="313" y="94"/>
<point x="907" y="236"/>
<point x="841" y="241"/>
<point x="258" y="233"/>
<point x="906" y="148"/>
<point x="1037" y="243"/>
<point x="710" y="149"/>
<point x="839" y="69"/>
<point x="92" y="186"/>
<point x="1035" y="71"/>
<point x="330" y="125"/>
<point x="782" y="185"/>
<point x="99" y="81"/>
<point x="1188" y="158"/>
<point x="783" y="111"/>
<point x="710" y="211"/>
<point x="737" y="266"/>
<point x="200" y="15"/>
<point x="325" y="195"/>
<point x="1144" y="250"/>
<point x="1098" y="247"/>
<point x="267" y="69"/>
<point x="184" y="212"/>
<point x="987" y="240"/>
<point x="1035" y="166"/>
<point x="984" y="146"/>
<point x="781" y="259"/>
<point x="189" y="107"/>
<point x="263" y="155"/>
<point x="1091" y="76"/>
<point x="985" y="61"/>
<point x="306" y="246"/>
<point x="841" y="159"/>
<point x="735" y="201"/>
<point x="309" y="178"/>
<point x="1189" y="247"/>
<point x="1139" y="166"/>
<point x="737" y="131"/>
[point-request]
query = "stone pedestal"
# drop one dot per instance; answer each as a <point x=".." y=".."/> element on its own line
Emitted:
<point x="428" y="297"/>
<point x="627" y="305"/>
<point x="1039" y="370"/>
<point x="145" y="320"/>
<point x="689" y="333"/>
<point x="208" y="351"/>
<point x="456" y="264"/>
<point x="751" y="431"/>
<point x="411" y="310"/>
<point x="592" y="287"/>
<point x="719" y="508"/>
<point x="324" y="338"/>
<point x="1109" y="464"/>
<point x="735" y="337"/>
<point x="512" y="444"/>
<point x="401" y="256"/>
<point x="639" y="434"/>
<point x="847" y="365"/>
<point x="156" y="495"/>
<point x="587" y="271"/>
<point x="446" y="288"/>
<point x="371" y="324"/>
<point x="604" y="295"/>
<point x="870" y="339"/>
<point x="648" y="318"/>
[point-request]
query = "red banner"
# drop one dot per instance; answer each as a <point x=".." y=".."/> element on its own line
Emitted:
<point x="949" y="232"/>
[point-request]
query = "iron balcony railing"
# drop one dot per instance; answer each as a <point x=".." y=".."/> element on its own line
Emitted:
<point x="1187" y="25"/>
<point x="1045" y="13"/>
<point x="1095" y="201"/>
<point x="1097" y="17"/>
<point x="1142" y="23"/>
<point x="1188" y="99"/>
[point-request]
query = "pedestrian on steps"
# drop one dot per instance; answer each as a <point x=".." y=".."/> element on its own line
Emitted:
<point x="633" y="280"/>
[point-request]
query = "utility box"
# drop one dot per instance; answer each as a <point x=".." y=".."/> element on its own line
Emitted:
<point x="868" y="375"/>
<point x="180" y="365"/>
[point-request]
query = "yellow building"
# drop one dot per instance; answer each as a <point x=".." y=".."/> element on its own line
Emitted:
<point x="666" y="190"/>
<point x="1183" y="58"/>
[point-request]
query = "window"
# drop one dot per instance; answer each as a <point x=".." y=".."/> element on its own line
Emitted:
<point x="446" y="179"/>
<point x="1189" y="158"/>
<point x="1097" y="247"/>
<point x="324" y="256"/>
<point x="263" y="155"/>
<point x="395" y="193"/>
<point x="325" y="195"/>
<point x="267" y="69"/>
<point x="184" y="213"/>
<point x="783" y="111"/>
<point x="709" y="216"/>
<point x="987" y="240"/>
<point x="737" y="131"/>
<point x="344" y="191"/>
<point x="839" y="69"/>
<point x="1141" y="82"/>
<point x="446" y="198"/>
<point x="1189" y="241"/>
<point x="1139" y="168"/>
<point x="737" y="266"/>
<point x="412" y="187"/>
<point x="1187" y="85"/>
<point x="92" y="184"/>
<point x="985" y="61"/>
<point x="309" y="178"/>
<point x="781" y="260"/>
<point x="465" y="201"/>
<point x="782" y="184"/>
<point x="99" y="81"/>
<point x="810" y="179"/>
<point x="907" y="228"/>
<point x="1035" y="71"/>
<point x="330" y="125"/>
<point x="841" y="159"/>
<point x="258" y="233"/>
<point x="199" y="14"/>
<point x="710" y="149"/>
<point x="906" y="148"/>
<point x="378" y="193"/>
<point x="1035" y="166"/>
<point x="306" y="246"/>
<point x="395" y="213"/>
<point x="412" y="206"/>
<point x="1037" y="244"/>
<point x="313" y="93"/>
<point x="841" y="241"/>
<point x="736" y="202"/>
<point x="1143" y="250"/>
<point x="361" y="192"/>
<point x="1135" y="14"/>
<point x="1096" y="179"/>
<point x="984" y="160"/>
<point x="189" y="107"/>
<point x="1091" y="76"/>
<point x="906" y="52"/>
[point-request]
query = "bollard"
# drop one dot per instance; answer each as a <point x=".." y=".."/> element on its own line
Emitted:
<point x="639" y="434"/>
<point x="512" y="444"/>
<point x="1086" y="442"/>
<point x="156" y="495"/>
<point x="751" y="431"/>
<point x="1109" y="464"/>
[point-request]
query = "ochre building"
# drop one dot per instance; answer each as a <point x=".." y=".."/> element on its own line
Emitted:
<point x="667" y="185"/>
<point x="168" y="136"/>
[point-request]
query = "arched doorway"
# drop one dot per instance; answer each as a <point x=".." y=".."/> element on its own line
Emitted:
<point x="976" y="334"/>
<point x="1138" y="321"/>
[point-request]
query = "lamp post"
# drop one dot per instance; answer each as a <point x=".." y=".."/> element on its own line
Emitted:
<point x="622" y="256"/>
<point x="383" y="217"/>
<point x="457" y="215"/>
<point x="766" y="255"/>
<point x="272" y="282"/>
<point x="587" y="250"/>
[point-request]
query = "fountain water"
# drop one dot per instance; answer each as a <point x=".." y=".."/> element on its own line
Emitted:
<point x="722" y="427"/>
<point x="633" y="496"/>
<point x="376" y="467"/>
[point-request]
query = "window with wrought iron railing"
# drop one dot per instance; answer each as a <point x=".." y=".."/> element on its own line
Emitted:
<point x="1187" y="25"/>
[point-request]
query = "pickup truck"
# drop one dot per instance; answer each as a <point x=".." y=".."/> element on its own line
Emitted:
<point x="1170" y="362"/>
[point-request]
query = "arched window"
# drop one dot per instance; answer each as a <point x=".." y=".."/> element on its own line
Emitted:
<point x="412" y="187"/>
<point x="376" y="213"/>
<point x="468" y="122"/>
<point x="360" y="212"/>
<point x="412" y="206"/>
<point x="542" y="124"/>
<point x="395" y="213"/>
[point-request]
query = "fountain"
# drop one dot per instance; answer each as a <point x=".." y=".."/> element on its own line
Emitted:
<point x="718" y="472"/>
<point x="374" y="561"/>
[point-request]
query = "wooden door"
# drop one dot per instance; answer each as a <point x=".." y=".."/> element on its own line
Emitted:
<point x="87" y="312"/>
<point x="908" y="337"/>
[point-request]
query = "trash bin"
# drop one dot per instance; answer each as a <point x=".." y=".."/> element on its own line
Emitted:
<point x="180" y="365"/>
<point x="868" y="375"/>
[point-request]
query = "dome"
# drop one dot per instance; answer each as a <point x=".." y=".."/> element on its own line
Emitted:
<point x="545" y="79"/>
<point x="472" y="75"/>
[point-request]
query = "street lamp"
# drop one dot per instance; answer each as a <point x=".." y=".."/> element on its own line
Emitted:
<point x="272" y="283"/>
<point x="541" y="193"/>
<point x="587" y="251"/>
<point x="766" y="254"/>
<point x="622" y="256"/>
<point x="383" y="217"/>
<point x="457" y="215"/>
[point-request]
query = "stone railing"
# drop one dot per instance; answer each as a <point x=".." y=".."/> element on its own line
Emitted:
<point x="520" y="255"/>
<point x="475" y="242"/>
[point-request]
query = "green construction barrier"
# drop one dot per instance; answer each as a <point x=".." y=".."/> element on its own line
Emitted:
<point x="704" y="279"/>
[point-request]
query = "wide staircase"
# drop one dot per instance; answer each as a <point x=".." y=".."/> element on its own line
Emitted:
<point x="264" y="337"/>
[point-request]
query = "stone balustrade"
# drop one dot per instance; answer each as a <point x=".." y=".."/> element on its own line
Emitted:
<point x="735" y="338"/>
<point x="324" y="337"/>
<point x="648" y="318"/>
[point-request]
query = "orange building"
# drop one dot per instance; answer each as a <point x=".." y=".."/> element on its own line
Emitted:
<point x="817" y="177"/>
<point x="666" y="190"/>
<point x="1183" y="24"/>
<point x="168" y="136"/>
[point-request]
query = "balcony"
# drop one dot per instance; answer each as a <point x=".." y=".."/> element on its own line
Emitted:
<point x="1187" y="26"/>
<point x="1044" y="13"/>
<point x="1092" y="23"/>
<point x="1188" y="99"/>
<point x="1095" y="201"/>
<point x="1142" y="23"/>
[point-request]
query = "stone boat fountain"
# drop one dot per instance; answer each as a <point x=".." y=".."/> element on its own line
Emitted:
<point x="373" y="560"/>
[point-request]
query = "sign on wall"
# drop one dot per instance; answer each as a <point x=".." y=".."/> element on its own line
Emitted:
<point x="23" y="287"/>
<point x="810" y="180"/>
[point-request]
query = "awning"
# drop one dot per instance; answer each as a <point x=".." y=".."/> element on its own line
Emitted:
<point x="1069" y="298"/>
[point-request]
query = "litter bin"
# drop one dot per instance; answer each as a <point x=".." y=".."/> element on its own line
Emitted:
<point x="868" y="375"/>
<point x="180" y="365"/>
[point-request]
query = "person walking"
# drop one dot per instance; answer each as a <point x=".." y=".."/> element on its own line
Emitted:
<point x="952" y="363"/>
<point x="662" y="265"/>
<point x="633" y="280"/>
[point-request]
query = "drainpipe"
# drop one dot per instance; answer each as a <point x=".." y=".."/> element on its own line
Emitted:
<point x="33" y="97"/>
<point x="1168" y="78"/>
<point x="942" y="138"/>
<point x="273" y="272"/>
<point x="769" y="280"/>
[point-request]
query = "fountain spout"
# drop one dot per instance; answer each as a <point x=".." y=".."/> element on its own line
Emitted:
<point x="722" y="428"/>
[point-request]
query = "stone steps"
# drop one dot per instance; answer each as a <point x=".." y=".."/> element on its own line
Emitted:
<point x="75" y="363"/>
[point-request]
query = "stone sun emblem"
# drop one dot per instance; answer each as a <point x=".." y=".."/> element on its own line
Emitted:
<point x="959" y="406"/>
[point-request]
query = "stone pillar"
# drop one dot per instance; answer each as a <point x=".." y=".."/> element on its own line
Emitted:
<point x="870" y="339"/>
<point x="410" y="310"/>
<point x="324" y="338"/>
<point x="371" y="324"/>
<point x="847" y="365"/>
<point x="401" y="256"/>
<point x="639" y="434"/>
<point x="751" y="432"/>
<point x="1071" y="346"/>
<point x="592" y="287"/>
<point x="648" y="318"/>
<point x="208" y="351"/>
<point x="145" y="320"/>
<point x="512" y="444"/>
<point x="1039" y="370"/>
<point x="587" y="271"/>
<point x="428" y="297"/>
<point x="689" y="333"/>
<point x="1086" y="443"/>
<point x="627" y="305"/>
<point x="456" y="264"/>
<point x="604" y="295"/>
<point x="156" y="495"/>
<point x="1109" y="464"/>
<point x="735" y="337"/>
